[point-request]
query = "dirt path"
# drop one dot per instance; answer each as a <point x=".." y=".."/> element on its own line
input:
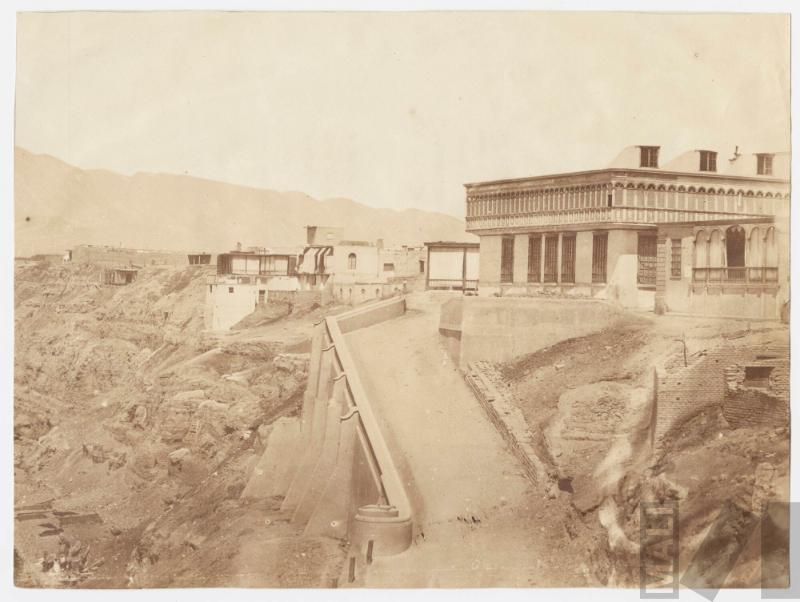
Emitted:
<point x="479" y="522"/>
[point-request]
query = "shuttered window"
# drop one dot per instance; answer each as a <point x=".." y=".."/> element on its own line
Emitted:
<point x="599" y="257"/>
<point x="551" y="258"/>
<point x="675" y="259"/>
<point x="534" y="259"/>
<point x="507" y="260"/>
<point x="646" y="275"/>
<point x="568" y="258"/>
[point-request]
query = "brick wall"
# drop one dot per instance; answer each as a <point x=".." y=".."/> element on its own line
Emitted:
<point x="746" y="405"/>
<point x="713" y="378"/>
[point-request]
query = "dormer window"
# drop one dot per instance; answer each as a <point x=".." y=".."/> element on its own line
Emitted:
<point x="764" y="164"/>
<point x="708" y="161"/>
<point x="648" y="156"/>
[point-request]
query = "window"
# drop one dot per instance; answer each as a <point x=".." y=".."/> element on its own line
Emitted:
<point x="388" y="267"/>
<point x="507" y="260"/>
<point x="599" y="257"/>
<point x="550" y="258"/>
<point x="351" y="261"/>
<point x="757" y="376"/>
<point x="648" y="156"/>
<point x="646" y="275"/>
<point x="421" y="266"/>
<point x="675" y="259"/>
<point x="708" y="161"/>
<point x="534" y="259"/>
<point x="230" y="289"/>
<point x="568" y="258"/>
<point x="764" y="164"/>
<point x="262" y="296"/>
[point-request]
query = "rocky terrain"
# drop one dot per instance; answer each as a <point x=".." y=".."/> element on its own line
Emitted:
<point x="134" y="431"/>
<point x="587" y="403"/>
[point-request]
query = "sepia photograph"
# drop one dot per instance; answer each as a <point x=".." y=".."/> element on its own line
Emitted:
<point x="380" y="299"/>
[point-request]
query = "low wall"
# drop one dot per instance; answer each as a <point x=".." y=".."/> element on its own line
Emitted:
<point x="370" y="314"/>
<point x="334" y="469"/>
<point x="500" y="329"/>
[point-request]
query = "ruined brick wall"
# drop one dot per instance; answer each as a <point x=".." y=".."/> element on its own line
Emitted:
<point x="764" y="404"/>
<point x="681" y="392"/>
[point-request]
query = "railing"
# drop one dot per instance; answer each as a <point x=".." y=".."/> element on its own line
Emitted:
<point x="743" y="275"/>
<point x="454" y="283"/>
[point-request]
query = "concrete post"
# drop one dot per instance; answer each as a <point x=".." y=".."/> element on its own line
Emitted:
<point x="335" y="509"/>
<point x="322" y="471"/>
<point x="317" y="435"/>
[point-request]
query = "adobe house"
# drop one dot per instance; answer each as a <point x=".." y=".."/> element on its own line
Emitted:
<point x="355" y="270"/>
<point x="199" y="258"/>
<point x="698" y="235"/>
<point x="244" y="280"/>
<point x="119" y="276"/>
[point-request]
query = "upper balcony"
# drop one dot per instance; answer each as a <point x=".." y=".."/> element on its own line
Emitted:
<point x="617" y="195"/>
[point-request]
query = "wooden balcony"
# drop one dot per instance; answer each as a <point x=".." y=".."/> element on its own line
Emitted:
<point x="734" y="275"/>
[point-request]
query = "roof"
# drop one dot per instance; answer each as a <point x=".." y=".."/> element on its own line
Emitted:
<point x="452" y="243"/>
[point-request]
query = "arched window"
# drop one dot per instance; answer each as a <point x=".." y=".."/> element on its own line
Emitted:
<point x="701" y="250"/>
<point x="351" y="261"/>
<point x="755" y="250"/>
<point x="716" y="257"/>
<point x="770" y="249"/>
<point x="734" y="246"/>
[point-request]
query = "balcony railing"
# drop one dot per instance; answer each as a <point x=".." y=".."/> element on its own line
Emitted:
<point x="743" y="275"/>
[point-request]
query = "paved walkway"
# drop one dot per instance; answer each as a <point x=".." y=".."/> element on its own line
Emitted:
<point x="474" y="510"/>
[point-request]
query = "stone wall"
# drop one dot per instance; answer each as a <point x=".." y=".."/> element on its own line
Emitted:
<point x="500" y="329"/>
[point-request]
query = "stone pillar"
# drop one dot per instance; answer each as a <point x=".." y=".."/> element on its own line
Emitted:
<point x="489" y="273"/>
<point x="521" y="260"/>
<point x="583" y="257"/>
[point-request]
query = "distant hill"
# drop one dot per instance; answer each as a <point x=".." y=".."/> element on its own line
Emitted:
<point x="58" y="206"/>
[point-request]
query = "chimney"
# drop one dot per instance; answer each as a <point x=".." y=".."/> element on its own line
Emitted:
<point x="238" y="246"/>
<point x="379" y="243"/>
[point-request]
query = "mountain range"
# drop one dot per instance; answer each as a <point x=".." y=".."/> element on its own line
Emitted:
<point x="58" y="206"/>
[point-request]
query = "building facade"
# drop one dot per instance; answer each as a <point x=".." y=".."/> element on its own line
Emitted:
<point x="699" y="235"/>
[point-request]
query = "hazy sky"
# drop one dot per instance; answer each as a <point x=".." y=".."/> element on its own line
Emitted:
<point x="394" y="110"/>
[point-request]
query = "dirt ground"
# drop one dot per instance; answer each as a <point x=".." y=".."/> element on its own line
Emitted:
<point x="132" y="422"/>
<point x="586" y="401"/>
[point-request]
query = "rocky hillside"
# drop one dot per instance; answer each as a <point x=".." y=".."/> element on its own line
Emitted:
<point x="58" y="206"/>
<point x="125" y="412"/>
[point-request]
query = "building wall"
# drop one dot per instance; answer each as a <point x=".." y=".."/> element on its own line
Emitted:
<point x="621" y="269"/>
<point x="490" y="264"/>
<point x="366" y="261"/>
<point x="123" y="256"/>
<point x="478" y="328"/>
<point x="228" y="303"/>
<point x="225" y="308"/>
<point x="730" y="299"/>
<point x="747" y="406"/>
<point x="405" y="261"/>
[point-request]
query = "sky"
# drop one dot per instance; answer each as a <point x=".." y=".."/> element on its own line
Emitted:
<point x="394" y="110"/>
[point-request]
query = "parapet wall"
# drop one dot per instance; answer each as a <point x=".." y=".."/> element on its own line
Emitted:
<point x="334" y="470"/>
<point x="500" y="329"/>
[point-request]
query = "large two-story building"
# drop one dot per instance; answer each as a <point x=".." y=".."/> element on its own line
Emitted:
<point x="699" y="234"/>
